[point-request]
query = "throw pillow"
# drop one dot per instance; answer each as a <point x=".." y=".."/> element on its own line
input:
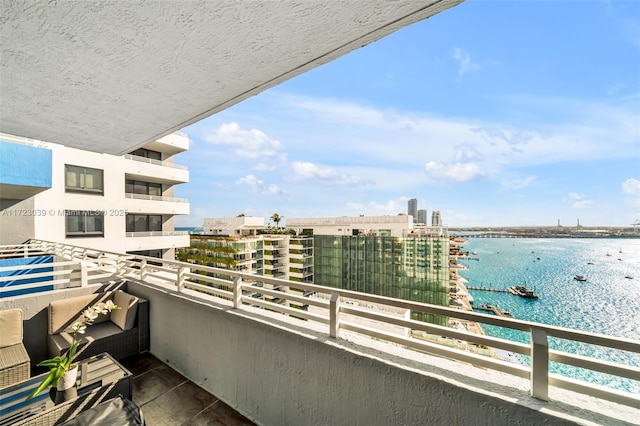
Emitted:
<point x="125" y="316"/>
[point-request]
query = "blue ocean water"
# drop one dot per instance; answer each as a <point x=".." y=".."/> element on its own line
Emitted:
<point x="606" y="303"/>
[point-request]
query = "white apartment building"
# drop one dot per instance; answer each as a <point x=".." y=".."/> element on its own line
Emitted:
<point x="385" y="226"/>
<point x="107" y="202"/>
<point x="233" y="226"/>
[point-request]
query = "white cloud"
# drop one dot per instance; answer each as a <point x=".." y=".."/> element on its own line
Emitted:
<point x="631" y="186"/>
<point x="262" y="167"/>
<point x="464" y="61"/>
<point x="305" y="170"/>
<point x="466" y="154"/>
<point x="252" y="144"/>
<point x="257" y="186"/>
<point x="517" y="184"/>
<point x="578" y="201"/>
<point x="554" y="129"/>
<point x="457" y="172"/>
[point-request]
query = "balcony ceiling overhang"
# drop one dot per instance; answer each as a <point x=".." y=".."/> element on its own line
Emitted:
<point x="112" y="76"/>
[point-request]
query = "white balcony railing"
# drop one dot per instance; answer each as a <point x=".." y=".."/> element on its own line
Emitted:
<point x="80" y="268"/>
<point x="156" y="162"/>
<point x="154" y="198"/>
<point x="336" y="313"/>
<point x="156" y="233"/>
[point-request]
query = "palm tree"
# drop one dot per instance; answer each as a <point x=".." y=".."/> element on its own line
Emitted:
<point x="276" y="218"/>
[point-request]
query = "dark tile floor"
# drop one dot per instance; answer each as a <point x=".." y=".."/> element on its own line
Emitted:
<point x="166" y="397"/>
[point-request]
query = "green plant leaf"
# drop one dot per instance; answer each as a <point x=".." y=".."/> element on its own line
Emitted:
<point x="45" y="384"/>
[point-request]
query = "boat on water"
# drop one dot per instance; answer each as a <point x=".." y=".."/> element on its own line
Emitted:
<point x="522" y="291"/>
<point x="580" y="278"/>
<point x="590" y="263"/>
<point x="474" y="252"/>
<point x="629" y="277"/>
<point x="496" y="310"/>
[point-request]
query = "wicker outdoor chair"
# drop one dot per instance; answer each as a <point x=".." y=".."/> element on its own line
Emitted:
<point x="15" y="364"/>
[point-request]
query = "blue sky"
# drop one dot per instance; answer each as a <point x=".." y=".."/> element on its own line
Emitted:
<point x="496" y="113"/>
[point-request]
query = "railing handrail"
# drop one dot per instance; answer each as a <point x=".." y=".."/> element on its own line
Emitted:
<point x="178" y="273"/>
<point x="156" y="233"/>
<point x="156" y="162"/>
<point x="154" y="197"/>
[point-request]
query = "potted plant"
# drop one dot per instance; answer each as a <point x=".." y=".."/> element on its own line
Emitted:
<point x="62" y="371"/>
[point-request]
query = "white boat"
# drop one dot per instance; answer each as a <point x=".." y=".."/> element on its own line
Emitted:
<point x="580" y="278"/>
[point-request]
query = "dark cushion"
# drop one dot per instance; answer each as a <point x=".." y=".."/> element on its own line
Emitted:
<point x="116" y="411"/>
<point x="59" y="343"/>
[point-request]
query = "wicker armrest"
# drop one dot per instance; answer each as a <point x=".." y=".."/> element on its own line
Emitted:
<point x="15" y="365"/>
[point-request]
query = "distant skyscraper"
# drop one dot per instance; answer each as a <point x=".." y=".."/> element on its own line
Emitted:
<point x="422" y="216"/>
<point x="436" y="219"/>
<point x="413" y="209"/>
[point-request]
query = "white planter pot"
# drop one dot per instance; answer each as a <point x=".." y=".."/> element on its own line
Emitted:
<point x="68" y="380"/>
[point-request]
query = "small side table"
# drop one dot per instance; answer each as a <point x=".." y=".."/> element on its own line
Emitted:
<point x="99" y="378"/>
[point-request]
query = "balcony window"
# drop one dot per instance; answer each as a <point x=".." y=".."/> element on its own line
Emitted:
<point x="143" y="188"/>
<point x="144" y="222"/>
<point x="84" y="223"/>
<point x="83" y="179"/>
<point x="147" y="153"/>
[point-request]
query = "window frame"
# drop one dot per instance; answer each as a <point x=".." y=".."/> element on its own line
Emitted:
<point x="147" y="153"/>
<point x="83" y="189"/>
<point x="147" y="220"/>
<point x="84" y="215"/>
<point x="131" y="186"/>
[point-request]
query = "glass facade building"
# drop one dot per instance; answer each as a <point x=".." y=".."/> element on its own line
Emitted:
<point x="411" y="268"/>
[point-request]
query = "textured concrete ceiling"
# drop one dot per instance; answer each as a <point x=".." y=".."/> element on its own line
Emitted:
<point x="109" y="76"/>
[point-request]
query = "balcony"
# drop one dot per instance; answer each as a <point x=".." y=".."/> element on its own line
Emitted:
<point x="297" y="255"/>
<point x="279" y="364"/>
<point x="159" y="171"/>
<point x="303" y="274"/>
<point x="171" y="144"/>
<point x="141" y="203"/>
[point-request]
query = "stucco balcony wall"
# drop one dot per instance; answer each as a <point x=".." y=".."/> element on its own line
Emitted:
<point x="149" y="170"/>
<point x="135" y="203"/>
<point x="278" y="371"/>
<point x="170" y="239"/>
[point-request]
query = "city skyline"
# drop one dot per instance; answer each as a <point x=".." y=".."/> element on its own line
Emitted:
<point x="476" y="112"/>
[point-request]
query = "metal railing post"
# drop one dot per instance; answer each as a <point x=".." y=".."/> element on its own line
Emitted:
<point x="120" y="266"/>
<point x="334" y="313"/>
<point x="84" y="275"/>
<point x="237" y="292"/>
<point x="539" y="364"/>
<point x="180" y="278"/>
<point x="143" y="270"/>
